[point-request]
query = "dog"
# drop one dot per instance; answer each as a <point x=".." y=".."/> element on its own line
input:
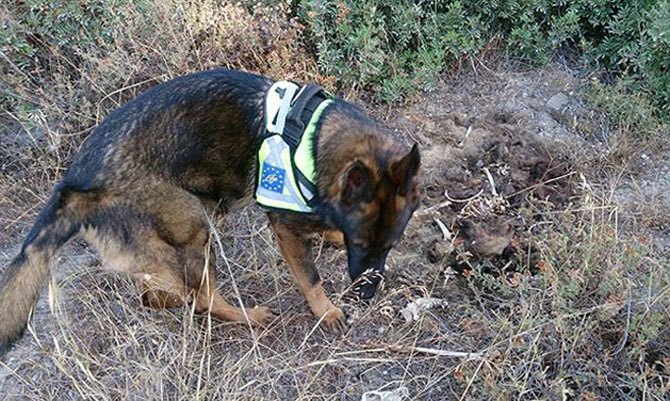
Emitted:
<point x="141" y="186"/>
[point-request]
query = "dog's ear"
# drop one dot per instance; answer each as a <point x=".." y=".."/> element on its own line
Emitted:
<point x="402" y="171"/>
<point x="356" y="184"/>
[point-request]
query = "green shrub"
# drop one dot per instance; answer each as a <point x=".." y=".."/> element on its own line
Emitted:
<point x="389" y="48"/>
<point x="394" y="47"/>
<point x="626" y="115"/>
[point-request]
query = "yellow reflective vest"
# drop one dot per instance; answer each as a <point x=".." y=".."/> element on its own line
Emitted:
<point x="286" y="164"/>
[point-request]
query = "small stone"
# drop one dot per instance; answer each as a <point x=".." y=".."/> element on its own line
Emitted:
<point x="558" y="101"/>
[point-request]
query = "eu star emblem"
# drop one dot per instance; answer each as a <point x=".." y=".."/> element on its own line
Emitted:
<point x="272" y="178"/>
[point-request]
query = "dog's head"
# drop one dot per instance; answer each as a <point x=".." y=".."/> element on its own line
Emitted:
<point x="377" y="197"/>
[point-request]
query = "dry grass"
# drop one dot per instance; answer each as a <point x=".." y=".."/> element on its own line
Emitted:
<point x="592" y="323"/>
<point x="576" y="307"/>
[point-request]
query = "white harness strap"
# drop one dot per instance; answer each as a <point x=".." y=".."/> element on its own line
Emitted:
<point x="278" y="104"/>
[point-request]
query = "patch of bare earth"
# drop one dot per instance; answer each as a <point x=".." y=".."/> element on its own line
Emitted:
<point x="644" y="193"/>
<point x="507" y="186"/>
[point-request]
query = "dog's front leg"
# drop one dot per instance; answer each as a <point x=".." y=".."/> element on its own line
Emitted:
<point x="296" y="247"/>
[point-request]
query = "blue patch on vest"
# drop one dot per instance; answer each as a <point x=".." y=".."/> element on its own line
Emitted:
<point x="272" y="178"/>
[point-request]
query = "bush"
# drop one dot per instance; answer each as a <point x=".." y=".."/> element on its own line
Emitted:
<point x="395" y="47"/>
<point x="389" y="48"/>
<point x="624" y="116"/>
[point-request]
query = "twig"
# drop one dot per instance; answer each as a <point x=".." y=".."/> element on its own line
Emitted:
<point x="446" y="234"/>
<point x="252" y="235"/>
<point x="221" y="252"/>
<point x="472" y="380"/>
<point x="467" y="134"/>
<point x="625" y="334"/>
<point x="433" y="208"/>
<point x="119" y="90"/>
<point x="493" y="185"/>
<point x="18" y="120"/>
<point x="490" y="71"/>
<point x="15" y="67"/>
<point x="470" y="356"/>
<point x="530" y="188"/>
<point x="462" y="200"/>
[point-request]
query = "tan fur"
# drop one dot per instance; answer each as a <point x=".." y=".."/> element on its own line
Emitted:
<point x="297" y="250"/>
<point x="335" y="237"/>
<point x="158" y="266"/>
<point x="20" y="287"/>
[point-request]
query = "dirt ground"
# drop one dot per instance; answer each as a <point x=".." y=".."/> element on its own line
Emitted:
<point x="501" y="157"/>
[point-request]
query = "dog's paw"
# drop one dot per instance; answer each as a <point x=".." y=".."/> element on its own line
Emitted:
<point x="335" y="320"/>
<point x="261" y="316"/>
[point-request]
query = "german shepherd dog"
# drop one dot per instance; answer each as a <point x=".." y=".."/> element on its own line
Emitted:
<point x="141" y="186"/>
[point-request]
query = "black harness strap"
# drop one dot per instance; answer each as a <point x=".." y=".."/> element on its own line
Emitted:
<point x="302" y="109"/>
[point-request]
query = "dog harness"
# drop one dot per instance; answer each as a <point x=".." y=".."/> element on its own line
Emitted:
<point x="286" y="164"/>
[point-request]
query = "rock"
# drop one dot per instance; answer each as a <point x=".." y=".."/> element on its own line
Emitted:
<point x="486" y="239"/>
<point x="414" y="309"/>
<point x="398" y="394"/>
<point x="558" y="101"/>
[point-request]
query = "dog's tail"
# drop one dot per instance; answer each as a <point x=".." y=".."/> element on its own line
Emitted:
<point x="24" y="277"/>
